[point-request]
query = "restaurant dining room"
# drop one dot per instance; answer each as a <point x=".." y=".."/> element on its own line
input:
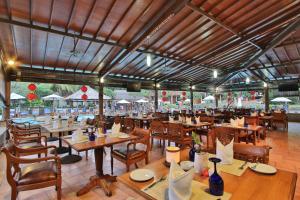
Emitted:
<point x="149" y="99"/>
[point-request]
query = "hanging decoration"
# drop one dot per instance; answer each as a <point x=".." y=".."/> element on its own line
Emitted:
<point x="164" y="96"/>
<point x="31" y="96"/>
<point x="252" y="93"/>
<point x="31" y="87"/>
<point x="84" y="89"/>
<point x="183" y="96"/>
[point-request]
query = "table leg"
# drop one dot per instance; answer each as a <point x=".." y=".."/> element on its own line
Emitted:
<point x="70" y="158"/>
<point x="100" y="179"/>
<point x="60" y="149"/>
<point x="51" y="138"/>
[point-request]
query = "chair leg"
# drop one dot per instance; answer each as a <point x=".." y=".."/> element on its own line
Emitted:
<point x="151" y="143"/>
<point x="86" y="154"/>
<point x="58" y="191"/>
<point x="147" y="159"/>
<point x="136" y="166"/>
<point x="111" y="161"/>
<point x="127" y="167"/>
<point x="14" y="194"/>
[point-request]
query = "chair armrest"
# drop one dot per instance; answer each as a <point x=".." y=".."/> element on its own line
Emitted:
<point x="18" y="134"/>
<point x="35" y="150"/>
<point x="38" y="138"/>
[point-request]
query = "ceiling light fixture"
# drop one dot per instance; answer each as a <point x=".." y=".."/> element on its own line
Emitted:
<point x="158" y="85"/>
<point x="265" y="84"/>
<point x="215" y="73"/>
<point x="247" y="80"/>
<point x="148" y="60"/>
<point x="101" y="80"/>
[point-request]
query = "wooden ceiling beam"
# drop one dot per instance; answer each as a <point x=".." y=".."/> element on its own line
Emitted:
<point x="152" y="26"/>
<point x="220" y="23"/>
<point x="278" y="39"/>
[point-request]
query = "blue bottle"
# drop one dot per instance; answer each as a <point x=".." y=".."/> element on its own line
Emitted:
<point x="192" y="154"/>
<point x="216" y="184"/>
<point x="92" y="137"/>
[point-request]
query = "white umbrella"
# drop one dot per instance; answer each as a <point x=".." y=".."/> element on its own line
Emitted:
<point x="142" y="101"/>
<point x="52" y="97"/>
<point x="281" y="99"/>
<point x="14" y="96"/>
<point x="209" y="98"/>
<point x="123" y="101"/>
<point x="91" y="93"/>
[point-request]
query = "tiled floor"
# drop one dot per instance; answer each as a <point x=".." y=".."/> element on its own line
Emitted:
<point x="284" y="155"/>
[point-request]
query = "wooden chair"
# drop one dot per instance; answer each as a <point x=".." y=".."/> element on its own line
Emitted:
<point x="128" y="125"/>
<point x="178" y="134"/>
<point x="280" y="118"/>
<point x="33" y="173"/>
<point x="158" y="131"/>
<point x="29" y="139"/>
<point x="133" y="152"/>
<point x="205" y="130"/>
<point x="241" y="151"/>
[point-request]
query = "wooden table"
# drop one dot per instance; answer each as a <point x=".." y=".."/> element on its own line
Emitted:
<point x="250" y="128"/>
<point x="100" y="179"/>
<point x="250" y="185"/>
<point x="268" y="119"/>
<point x="198" y="125"/>
<point x="141" y="120"/>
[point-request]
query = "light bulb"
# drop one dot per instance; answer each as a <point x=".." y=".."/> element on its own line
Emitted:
<point x="101" y="80"/>
<point x="193" y="87"/>
<point x="11" y="62"/>
<point x="247" y="80"/>
<point x="215" y="73"/>
<point x="157" y="85"/>
<point x="265" y="84"/>
<point x="148" y="60"/>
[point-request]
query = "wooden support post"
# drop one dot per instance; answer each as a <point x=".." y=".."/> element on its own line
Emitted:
<point x="7" y="99"/>
<point x="192" y="98"/>
<point x="267" y="99"/>
<point x="101" y="86"/>
<point x="155" y="98"/>
<point x="217" y="99"/>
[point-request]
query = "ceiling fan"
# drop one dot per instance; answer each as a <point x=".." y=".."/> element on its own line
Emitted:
<point x="74" y="52"/>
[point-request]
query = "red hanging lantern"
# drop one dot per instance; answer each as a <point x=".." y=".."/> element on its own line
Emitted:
<point x="164" y="93"/>
<point x="252" y="92"/>
<point x="164" y="99"/>
<point x="183" y="93"/>
<point x="32" y="87"/>
<point x="31" y="96"/>
<point x="84" y="88"/>
<point x="84" y="97"/>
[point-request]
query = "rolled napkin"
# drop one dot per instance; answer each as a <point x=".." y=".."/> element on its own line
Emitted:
<point x="240" y="122"/>
<point x="180" y="182"/>
<point x="253" y="114"/>
<point x="171" y="119"/>
<point x="116" y="128"/>
<point x="179" y="118"/>
<point x="225" y="153"/>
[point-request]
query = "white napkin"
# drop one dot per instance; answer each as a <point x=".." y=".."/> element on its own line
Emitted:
<point x="70" y="121"/>
<point x="116" y="128"/>
<point x="253" y="114"/>
<point x="83" y="122"/>
<point x="233" y="122"/>
<point x="197" y="120"/>
<point x="78" y="135"/>
<point x="225" y="153"/>
<point x="240" y="122"/>
<point x="188" y="120"/>
<point x="171" y="119"/>
<point x="179" y="118"/>
<point x="180" y="182"/>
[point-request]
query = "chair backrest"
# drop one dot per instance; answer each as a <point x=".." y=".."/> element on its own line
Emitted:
<point x="144" y="137"/>
<point x="174" y="130"/>
<point x="223" y="134"/>
<point x="251" y="120"/>
<point x="251" y="153"/>
<point x="128" y="124"/>
<point x="279" y="116"/>
<point x="117" y="119"/>
<point x="207" y="119"/>
<point x="157" y="126"/>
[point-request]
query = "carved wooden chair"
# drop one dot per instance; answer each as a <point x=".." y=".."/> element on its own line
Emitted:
<point x="280" y="118"/>
<point x="204" y="131"/>
<point x="135" y="151"/>
<point x="128" y="125"/>
<point x="178" y="134"/>
<point x="158" y="131"/>
<point x="27" y="174"/>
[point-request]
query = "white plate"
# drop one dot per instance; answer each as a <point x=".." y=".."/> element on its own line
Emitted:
<point x="263" y="168"/>
<point x="141" y="175"/>
<point x="124" y="136"/>
<point x="186" y="165"/>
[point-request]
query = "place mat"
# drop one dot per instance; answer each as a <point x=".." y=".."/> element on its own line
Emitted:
<point x="229" y="169"/>
<point x="70" y="141"/>
<point x="199" y="191"/>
